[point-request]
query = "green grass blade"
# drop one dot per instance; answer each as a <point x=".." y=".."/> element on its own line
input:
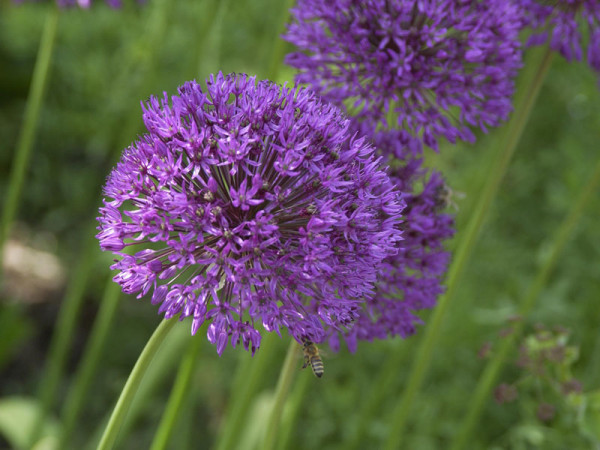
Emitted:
<point x="490" y="374"/>
<point x="245" y="388"/>
<point x="116" y="419"/>
<point x="284" y="383"/>
<point x="178" y="394"/>
<point x="63" y="334"/>
<point x="510" y="139"/>
<point x="86" y="370"/>
<point x="27" y="134"/>
<point x="294" y="405"/>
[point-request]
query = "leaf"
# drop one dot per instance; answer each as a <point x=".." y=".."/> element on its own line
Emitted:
<point x="17" y="416"/>
<point x="589" y="422"/>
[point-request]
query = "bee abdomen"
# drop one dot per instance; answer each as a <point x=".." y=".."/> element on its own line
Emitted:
<point x="317" y="367"/>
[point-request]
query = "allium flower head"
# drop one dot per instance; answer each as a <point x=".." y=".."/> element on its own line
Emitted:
<point x="422" y="69"/>
<point x="410" y="280"/>
<point x="560" y="23"/>
<point x="250" y="203"/>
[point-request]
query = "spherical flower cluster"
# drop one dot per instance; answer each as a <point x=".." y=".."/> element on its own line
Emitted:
<point x="250" y="203"/>
<point x="410" y="280"/>
<point x="425" y="69"/>
<point x="558" y="24"/>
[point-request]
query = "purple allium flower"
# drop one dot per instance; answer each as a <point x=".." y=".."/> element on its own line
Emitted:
<point x="557" y="23"/>
<point x="410" y="280"/>
<point x="421" y="69"/>
<point x="250" y="203"/>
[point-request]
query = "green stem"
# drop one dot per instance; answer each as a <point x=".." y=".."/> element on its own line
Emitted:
<point x="211" y="44"/>
<point x="63" y="334"/>
<point x="251" y="370"/>
<point x="35" y="97"/>
<point x="128" y="393"/>
<point x="247" y="382"/>
<point x="283" y="387"/>
<point x="511" y="137"/>
<point x="86" y="370"/>
<point x="278" y="50"/>
<point x="296" y="400"/>
<point x="488" y="378"/>
<point x="142" y="63"/>
<point x="179" y="392"/>
<point x="385" y="384"/>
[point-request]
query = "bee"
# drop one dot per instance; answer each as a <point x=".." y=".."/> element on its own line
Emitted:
<point x="312" y="357"/>
<point x="445" y="197"/>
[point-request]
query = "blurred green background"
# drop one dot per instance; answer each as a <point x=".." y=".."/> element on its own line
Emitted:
<point x="104" y="63"/>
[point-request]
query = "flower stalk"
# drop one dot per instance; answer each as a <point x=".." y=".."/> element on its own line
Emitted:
<point x="490" y="374"/>
<point x="245" y="387"/>
<point x="32" y="114"/>
<point x="511" y="137"/>
<point x="111" y="431"/>
<point x="141" y="62"/>
<point x="180" y="389"/>
<point x="86" y="370"/>
<point x="284" y="383"/>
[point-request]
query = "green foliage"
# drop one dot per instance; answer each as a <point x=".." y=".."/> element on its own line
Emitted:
<point x="547" y="402"/>
<point x="17" y="415"/>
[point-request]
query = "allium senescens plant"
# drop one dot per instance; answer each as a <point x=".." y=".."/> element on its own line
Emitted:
<point x="250" y="204"/>
<point x="419" y="70"/>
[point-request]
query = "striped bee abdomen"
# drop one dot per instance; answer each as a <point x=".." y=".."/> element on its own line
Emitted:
<point x="312" y="357"/>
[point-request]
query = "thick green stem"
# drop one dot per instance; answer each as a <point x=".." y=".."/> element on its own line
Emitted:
<point x="35" y="97"/>
<point x="128" y="393"/>
<point x="297" y="397"/>
<point x="283" y="387"/>
<point x="180" y="390"/>
<point x="140" y="63"/>
<point x="490" y="374"/>
<point x="512" y="135"/>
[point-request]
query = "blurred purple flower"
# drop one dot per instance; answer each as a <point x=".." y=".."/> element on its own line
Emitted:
<point x="416" y="69"/>
<point x="560" y="23"/>
<point x="505" y="393"/>
<point x="410" y="280"/>
<point x="546" y="412"/>
<point x="250" y="203"/>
